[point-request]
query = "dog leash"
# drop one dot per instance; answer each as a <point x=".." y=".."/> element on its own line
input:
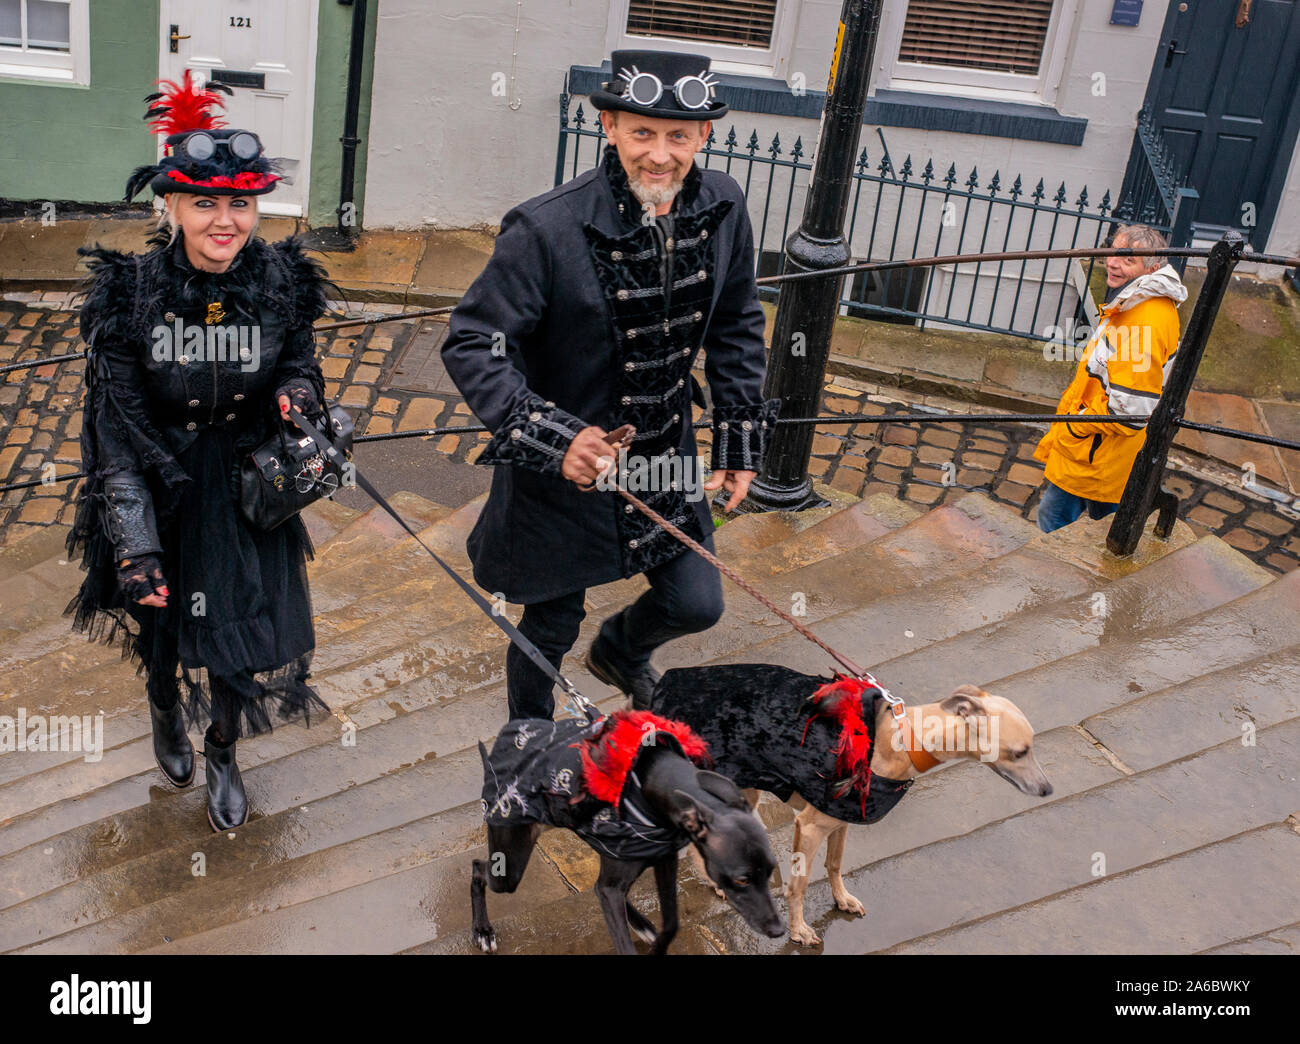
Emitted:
<point x="922" y="760"/>
<point x="577" y="703"/>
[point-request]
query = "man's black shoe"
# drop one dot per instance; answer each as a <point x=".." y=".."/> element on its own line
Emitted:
<point x="640" y="685"/>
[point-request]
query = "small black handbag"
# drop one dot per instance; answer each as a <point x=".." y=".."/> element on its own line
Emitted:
<point x="286" y="473"/>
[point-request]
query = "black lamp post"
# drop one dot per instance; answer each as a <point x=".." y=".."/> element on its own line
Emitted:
<point x="806" y="309"/>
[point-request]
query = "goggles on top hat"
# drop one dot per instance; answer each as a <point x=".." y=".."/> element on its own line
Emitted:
<point x="645" y="88"/>
<point x="200" y="145"/>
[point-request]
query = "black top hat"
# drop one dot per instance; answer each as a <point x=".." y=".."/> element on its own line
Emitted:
<point x="204" y="156"/>
<point x="663" y="84"/>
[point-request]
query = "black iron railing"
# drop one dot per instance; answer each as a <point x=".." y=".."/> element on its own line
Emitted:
<point x="913" y="209"/>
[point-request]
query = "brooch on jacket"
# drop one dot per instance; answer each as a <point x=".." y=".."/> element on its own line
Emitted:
<point x="215" y="313"/>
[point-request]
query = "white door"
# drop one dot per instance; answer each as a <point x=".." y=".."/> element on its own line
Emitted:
<point x="266" y="52"/>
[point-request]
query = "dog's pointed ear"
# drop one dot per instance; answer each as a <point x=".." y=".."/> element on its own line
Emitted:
<point x="691" y="816"/>
<point x="965" y="701"/>
<point x="721" y="788"/>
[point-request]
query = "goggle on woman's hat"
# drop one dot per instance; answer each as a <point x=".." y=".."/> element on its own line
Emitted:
<point x="662" y="84"/>
<point x="203" y="156"/>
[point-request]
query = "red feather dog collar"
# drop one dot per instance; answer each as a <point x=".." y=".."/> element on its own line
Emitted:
<point x="608" y="757"/>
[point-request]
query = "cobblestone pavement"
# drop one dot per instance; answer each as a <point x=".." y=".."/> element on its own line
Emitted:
<point x="365" y="370"/>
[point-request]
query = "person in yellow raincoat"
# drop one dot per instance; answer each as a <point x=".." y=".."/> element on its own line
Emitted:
<point x="1122" y="371"/>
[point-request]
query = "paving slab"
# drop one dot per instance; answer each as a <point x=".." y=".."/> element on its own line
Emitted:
<point x="1053" y="846"/>
<point x="1186" y="904"/>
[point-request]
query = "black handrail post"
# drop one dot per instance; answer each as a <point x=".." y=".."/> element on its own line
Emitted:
<point x="805" y="313"/>
<point x="1143" y="486"/>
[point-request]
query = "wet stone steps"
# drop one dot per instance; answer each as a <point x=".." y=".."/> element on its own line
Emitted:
<point x="1185" y="904"/>
<point x="1166" y="593"/>
<point x="450" y="618"/>
<point x="1054" y="846"/>
<point x="366" y="847"/>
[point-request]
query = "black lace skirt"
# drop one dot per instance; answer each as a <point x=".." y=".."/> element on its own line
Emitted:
<point x="238" y="620"/>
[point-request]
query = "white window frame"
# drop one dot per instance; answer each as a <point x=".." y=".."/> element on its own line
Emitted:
<point x="1042" y="89"/>
<point x="19" y="63"/>
<point x="747" y="61"/>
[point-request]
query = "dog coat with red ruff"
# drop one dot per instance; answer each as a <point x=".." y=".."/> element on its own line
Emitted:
<point x="774" y="729"/>
<point x="582" y="776"/>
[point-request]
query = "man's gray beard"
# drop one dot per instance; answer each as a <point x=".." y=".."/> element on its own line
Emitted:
<point x="655" y="196"/>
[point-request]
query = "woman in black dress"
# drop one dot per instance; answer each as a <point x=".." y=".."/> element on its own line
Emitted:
<point x="194" y="351"/>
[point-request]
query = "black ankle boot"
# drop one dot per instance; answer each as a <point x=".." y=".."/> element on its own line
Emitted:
<point x="604" y="663"/>
<point x="171" y="746"/>
<point x="227" y="803"/>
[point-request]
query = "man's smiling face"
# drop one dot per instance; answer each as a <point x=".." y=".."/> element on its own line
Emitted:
<point x="656" y="153"/>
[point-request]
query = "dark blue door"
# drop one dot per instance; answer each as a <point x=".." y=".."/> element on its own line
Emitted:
<point x="1224" y="93"/>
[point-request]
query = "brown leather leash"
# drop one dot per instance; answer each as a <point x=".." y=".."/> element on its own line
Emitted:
<point x="922" y="760"/>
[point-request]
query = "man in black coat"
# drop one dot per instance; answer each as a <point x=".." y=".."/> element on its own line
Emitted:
<point x="589" y="315"/>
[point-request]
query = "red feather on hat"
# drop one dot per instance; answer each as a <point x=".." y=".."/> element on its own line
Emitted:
<point x="184" y="107"/>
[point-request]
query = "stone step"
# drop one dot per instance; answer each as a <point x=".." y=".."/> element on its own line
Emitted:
<point x="94" y="680"/>
<point x="33" y="598"/>
<point x="889" y="626"/>
<point x="435" y="615"/>
<point x="38" y="636"/>
<point x="753" y="532"/>
<point x="1049" y="848"/>
<point x="374" y="529"/>
<point x="1189" y="903"/>
<point x="1117" y="672"/>
<point x="1180" y="585"/>
<point x="1234" y="703"/>
<point x="417" y="677"/>
<point x="31" y="548"/>
<point x="38" y="593"/>
<point x="315" y="804"/>
<point x="325" y="518"/>
<point x="948" y="540"/>
<point x="1281" y="941"/>
<point x="291" y="766"/>
<point x="844" y="530"/>
<point x="386" y="914"/>
<point x="76" y="676"/>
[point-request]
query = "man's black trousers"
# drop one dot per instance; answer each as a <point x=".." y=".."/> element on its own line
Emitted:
<point x="685" y="596"/>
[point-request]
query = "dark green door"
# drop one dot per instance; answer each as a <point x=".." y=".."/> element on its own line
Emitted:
<point x="1225" y="97"/>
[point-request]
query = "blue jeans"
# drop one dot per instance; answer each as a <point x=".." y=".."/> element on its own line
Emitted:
<point x="1058" y="508"/>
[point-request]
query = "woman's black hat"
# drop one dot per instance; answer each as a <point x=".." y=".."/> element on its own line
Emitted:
<point x="643" y="74"/>
<point x="203" y="156"/>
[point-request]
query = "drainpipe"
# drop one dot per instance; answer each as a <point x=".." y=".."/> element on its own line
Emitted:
<point x="343" y="236"/>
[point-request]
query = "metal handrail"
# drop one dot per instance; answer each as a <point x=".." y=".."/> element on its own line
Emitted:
<point x="837" y="418"/>
<point x="868" y="266"/>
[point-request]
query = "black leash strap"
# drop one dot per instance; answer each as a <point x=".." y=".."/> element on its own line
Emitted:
<point x="329" y="450"/>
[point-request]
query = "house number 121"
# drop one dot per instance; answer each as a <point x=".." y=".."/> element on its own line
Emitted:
<point x="241" y="23"/>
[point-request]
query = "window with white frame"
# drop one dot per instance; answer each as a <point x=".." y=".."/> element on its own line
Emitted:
<point x="1008" y="49"/>
<point x="746" y="36"/>
<point x="45" y="39"/>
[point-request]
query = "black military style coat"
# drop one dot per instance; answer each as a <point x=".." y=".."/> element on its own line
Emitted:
<point x="588" y="314"/>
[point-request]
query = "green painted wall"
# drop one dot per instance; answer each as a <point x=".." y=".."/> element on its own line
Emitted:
<point x="334" y="35"/>
<point x="80" y="143"/>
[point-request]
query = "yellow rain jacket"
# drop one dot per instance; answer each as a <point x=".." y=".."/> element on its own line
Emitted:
<point x="1122" y="371"/>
